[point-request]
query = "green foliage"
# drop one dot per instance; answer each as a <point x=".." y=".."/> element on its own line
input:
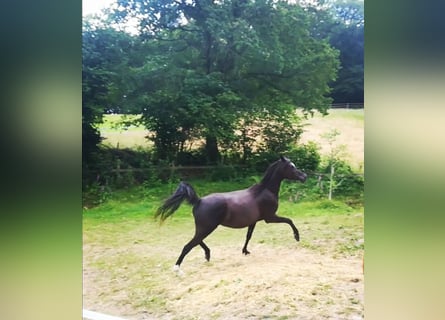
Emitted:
<point x="342" y="22"/>
<point x="210" y="68"/>
<point x="348" y="184"/>
<point x="152" y="173"/>
<point x="347" y="35"/>
<point x="103" y="85"/>
<point x="306" y="156"/>
<point x="114" y="167"/>
<point x="95" y="194"/>
<point x="192" y="157"/>
<point x="344" y="183"/>
<point x="229" y="73"/>
<point x="296" y="192"/>
<point x="223" y="173"/>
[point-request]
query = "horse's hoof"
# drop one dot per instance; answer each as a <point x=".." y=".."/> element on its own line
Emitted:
<point x="177" y="270"/>
<point x="245" y="252"/>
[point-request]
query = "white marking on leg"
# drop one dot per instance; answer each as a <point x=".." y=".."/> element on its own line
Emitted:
<point x="177" y="270"/>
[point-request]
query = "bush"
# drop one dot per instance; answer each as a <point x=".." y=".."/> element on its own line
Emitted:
<point x="349" y="184"/>
<point x="308" y="191"/>
<point x="102" y="168"/>
<point x="222" y="173"/>
<point x="95" y="194"/>
<point x="306" y="157"/>
<point x="190" y="158"/>
<point x="100" y="176"/>
<point x="261" y="161"/>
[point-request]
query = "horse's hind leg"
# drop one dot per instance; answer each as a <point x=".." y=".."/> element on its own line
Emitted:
<point x="197" y="239"/>
<point x="206" y="250"/>
<point x="189" y="246"/>
<point x="248" y="236"/>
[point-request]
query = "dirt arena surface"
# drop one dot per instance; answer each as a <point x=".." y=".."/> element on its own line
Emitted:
<point x="128" y="273"/>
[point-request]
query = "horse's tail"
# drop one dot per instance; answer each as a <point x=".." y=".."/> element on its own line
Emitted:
<point x="183" y="192"/>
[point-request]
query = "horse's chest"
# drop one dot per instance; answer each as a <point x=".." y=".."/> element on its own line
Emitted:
<point x="268" y="206"/>
<point x="267" y="202"/>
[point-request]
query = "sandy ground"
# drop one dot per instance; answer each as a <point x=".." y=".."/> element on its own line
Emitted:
<point x="282" y="280"/>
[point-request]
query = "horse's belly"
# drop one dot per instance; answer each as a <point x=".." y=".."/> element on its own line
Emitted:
<point x="241" y="217"/>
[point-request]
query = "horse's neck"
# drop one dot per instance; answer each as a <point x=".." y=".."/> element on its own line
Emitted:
<point x="273" y="185"/>
<point x="271" y="181"/>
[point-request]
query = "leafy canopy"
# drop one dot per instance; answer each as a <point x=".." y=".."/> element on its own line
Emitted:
<point x="209" y="67"/>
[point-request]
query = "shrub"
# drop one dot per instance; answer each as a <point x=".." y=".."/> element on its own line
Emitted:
<point x="348" y="184"/>
<point x="190" y="158"/>
<point x="306" y="156"/>
<point x="222" y="173"/>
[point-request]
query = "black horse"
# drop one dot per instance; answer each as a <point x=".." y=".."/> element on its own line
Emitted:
<point x="236" y="209"/>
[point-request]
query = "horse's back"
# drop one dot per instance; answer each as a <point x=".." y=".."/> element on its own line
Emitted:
<point x="211" y="210"/>
<point x="239" y="208"/>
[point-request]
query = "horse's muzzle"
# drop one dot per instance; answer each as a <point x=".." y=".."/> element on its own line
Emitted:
<point x="302" y="177"/>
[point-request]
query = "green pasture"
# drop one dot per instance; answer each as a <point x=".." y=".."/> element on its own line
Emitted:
<point x="118" y="134"/>
<point x="128" y="208"/>
<point x="339" y="227"/>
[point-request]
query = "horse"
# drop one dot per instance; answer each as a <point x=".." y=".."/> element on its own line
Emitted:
<point x="235" y="209"/>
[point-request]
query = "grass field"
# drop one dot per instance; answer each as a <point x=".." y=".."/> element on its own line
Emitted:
<point x="118" y="137"/>
<point x="350" y="124"/>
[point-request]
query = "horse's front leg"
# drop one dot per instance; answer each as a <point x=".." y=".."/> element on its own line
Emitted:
<point x="277" y="219"/>
<point x="249" y="235"/>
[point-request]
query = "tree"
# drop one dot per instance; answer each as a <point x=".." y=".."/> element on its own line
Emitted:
<point x="103" y="86"/>
<point x="212" y="66"/>
<point x="336" y="152"/>
<point x="348" y="37"/>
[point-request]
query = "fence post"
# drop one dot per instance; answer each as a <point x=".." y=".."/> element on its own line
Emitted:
<point x="118" y="168"/>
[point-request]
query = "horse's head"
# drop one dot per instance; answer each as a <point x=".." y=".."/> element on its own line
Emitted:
<point x="290" y="171"/>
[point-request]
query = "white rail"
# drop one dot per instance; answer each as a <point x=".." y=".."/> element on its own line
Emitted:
<point x="91" y="315"/>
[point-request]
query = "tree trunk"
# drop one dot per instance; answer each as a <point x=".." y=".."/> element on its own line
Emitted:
<point x="212" y="151"/>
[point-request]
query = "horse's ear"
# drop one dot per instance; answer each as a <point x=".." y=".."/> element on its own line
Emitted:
<point x="282" y="158"/>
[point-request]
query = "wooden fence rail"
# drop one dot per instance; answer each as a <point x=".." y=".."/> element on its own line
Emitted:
<point x="191" y="168"/>
<point x="347" y="105"/>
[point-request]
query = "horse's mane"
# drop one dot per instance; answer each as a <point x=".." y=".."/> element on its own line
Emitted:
<point x="270" y="172"/>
